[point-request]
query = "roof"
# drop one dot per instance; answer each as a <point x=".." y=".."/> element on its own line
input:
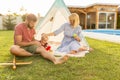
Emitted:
<point x="96" y="4"/>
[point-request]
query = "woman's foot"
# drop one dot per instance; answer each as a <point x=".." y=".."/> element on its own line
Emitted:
<point x="73" y="52"/>
<point x="85" y="49"/>
<point x="90" y="49"/>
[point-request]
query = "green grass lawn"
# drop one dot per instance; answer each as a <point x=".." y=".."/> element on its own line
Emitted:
<point x="101" y="64"/>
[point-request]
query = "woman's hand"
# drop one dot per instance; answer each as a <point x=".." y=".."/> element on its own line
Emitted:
<point x="76" y="37"/>
<point x="48" y="34"/>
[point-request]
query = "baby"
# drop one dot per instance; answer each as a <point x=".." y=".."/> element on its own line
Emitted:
<point x="44" y="42"/>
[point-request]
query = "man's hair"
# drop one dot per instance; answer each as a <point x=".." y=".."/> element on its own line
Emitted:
<point x="31" y="17"/>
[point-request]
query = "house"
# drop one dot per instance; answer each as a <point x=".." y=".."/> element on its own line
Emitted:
<point x="97" y="16"/>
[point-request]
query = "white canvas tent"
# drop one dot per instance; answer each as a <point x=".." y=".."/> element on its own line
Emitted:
<point x="56" y="16"/>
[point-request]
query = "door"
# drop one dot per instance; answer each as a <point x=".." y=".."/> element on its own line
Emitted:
<point x="106" y="20"/>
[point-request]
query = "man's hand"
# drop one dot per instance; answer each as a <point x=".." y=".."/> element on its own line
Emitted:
<point x="35" y="43"/>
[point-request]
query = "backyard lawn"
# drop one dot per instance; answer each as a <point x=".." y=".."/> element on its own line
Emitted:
<point x="101" y="64"/>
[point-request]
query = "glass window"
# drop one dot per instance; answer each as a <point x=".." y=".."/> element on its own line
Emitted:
<point x="102" y="17"/>
<point x="102" y="20"/>
<point x="110" y="23"/>
<point x="106" y="20"/>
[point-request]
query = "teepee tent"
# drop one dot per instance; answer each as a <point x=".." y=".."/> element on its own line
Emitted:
<point x="56" y="16"/>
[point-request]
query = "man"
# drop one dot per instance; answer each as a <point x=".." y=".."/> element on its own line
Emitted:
<point x="26" y="45"/>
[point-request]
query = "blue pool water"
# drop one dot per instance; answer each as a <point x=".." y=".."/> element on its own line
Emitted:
<point x="111" y="32"/>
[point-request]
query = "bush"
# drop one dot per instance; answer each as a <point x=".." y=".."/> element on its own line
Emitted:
<point x="24" y="16"/>
<point x="9" y="22"/>
<point x="118" y="22"/>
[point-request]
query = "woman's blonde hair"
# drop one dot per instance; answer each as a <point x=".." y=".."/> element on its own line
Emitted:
<point x="74" y="19"/>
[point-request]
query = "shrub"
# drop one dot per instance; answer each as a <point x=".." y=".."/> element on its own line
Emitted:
<point x="118" y="22"/>
<point x="9" y="22"/>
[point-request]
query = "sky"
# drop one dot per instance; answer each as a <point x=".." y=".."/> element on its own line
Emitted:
<point x="42" y="6"/>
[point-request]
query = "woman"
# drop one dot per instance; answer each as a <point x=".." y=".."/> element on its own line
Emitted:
<point x="72" y="32"/>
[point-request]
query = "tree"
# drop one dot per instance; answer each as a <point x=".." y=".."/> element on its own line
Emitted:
<point x="9" y="22"/>
<point x="24" y="16"/>
<point x="0" y="14"/>
<point x="118" y="21"/>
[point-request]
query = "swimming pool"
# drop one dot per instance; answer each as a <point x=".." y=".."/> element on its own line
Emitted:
<point x="111" y="32"/>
